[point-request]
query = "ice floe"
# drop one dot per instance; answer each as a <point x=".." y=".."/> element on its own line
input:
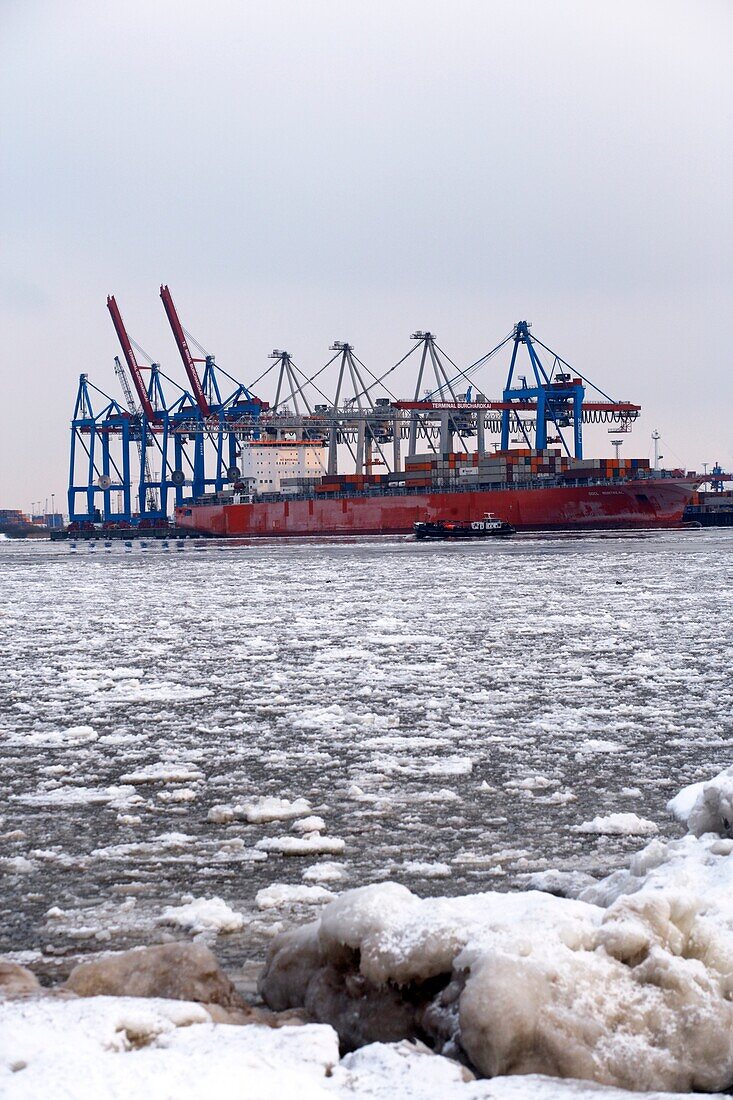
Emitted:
<point x="164" y="772"/>
<point x="324" y="872"/>
<point x="274" y="809"/>
<point x="426" y="870"/>
<point x="312" y="824"/>
<point x="71" y="737"/>
<point x="620" y="824"/>
<point x="599" y="745"/>
<point x="221" y="815"/>
<point x="280" y="894"/>
<point x="117" y="796"/>
<point x="310" y="844"/>
<point x="203" y="915"/>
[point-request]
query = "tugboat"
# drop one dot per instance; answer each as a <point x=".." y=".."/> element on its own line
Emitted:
<point x="488" y="527"/>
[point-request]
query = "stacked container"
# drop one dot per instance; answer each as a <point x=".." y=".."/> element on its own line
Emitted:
<point x="514" y="467"/>
<point x="457" y="470"/>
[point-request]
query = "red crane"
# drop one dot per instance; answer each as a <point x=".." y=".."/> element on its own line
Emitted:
<point x="132" y="364"/>
<point x="189" y="362"/>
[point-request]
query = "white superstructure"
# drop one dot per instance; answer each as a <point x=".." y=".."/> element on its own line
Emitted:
<point x="268" y="463"/>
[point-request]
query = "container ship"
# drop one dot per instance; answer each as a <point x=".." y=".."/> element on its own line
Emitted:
<point x="530" y="489"/>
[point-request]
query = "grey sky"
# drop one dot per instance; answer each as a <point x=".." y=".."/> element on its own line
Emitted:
<point x="299" y="172"/>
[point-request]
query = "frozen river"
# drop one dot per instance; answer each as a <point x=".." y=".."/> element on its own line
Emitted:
<point x="453" y="713"/>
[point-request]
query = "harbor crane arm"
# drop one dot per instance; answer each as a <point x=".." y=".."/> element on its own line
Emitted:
<point x="132" y="363"/>
<point x="135" y="418"/>
<point x="189" y="362"/>
<point x="125" y="386"/>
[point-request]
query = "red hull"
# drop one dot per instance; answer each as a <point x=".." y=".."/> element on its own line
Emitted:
<point x="650" y="502"/>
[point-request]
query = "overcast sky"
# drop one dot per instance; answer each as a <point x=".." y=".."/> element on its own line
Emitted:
<point x="300" y="172"/>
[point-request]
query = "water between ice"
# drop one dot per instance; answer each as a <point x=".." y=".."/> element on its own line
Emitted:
<point x="458" y="717"/>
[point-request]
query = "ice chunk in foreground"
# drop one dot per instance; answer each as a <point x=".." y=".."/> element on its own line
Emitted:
<point x="628" y="986"/>
<point x="706" y="807"/>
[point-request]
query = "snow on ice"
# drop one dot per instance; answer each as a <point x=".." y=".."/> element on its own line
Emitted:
<point x="113" y="1047"/>
<point x="122" y="1048"/>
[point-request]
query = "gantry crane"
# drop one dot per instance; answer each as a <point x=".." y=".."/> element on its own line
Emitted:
<point x="555" y="396"/>
<point x="218" y="412"/>
<point x="158" y="420"/>
<point x="545" y="397"/>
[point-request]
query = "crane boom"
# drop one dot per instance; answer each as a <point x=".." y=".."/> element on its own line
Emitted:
<point x="189" y="362"/>
<point x="132" y="363"/>
<point x="125" y="387"/>
<point x="135" y="418"/>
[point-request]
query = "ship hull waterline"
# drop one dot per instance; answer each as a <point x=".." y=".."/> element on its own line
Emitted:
<point x="646" y="503"/>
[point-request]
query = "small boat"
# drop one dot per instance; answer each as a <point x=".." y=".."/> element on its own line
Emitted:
<point x="488" y="527"/>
